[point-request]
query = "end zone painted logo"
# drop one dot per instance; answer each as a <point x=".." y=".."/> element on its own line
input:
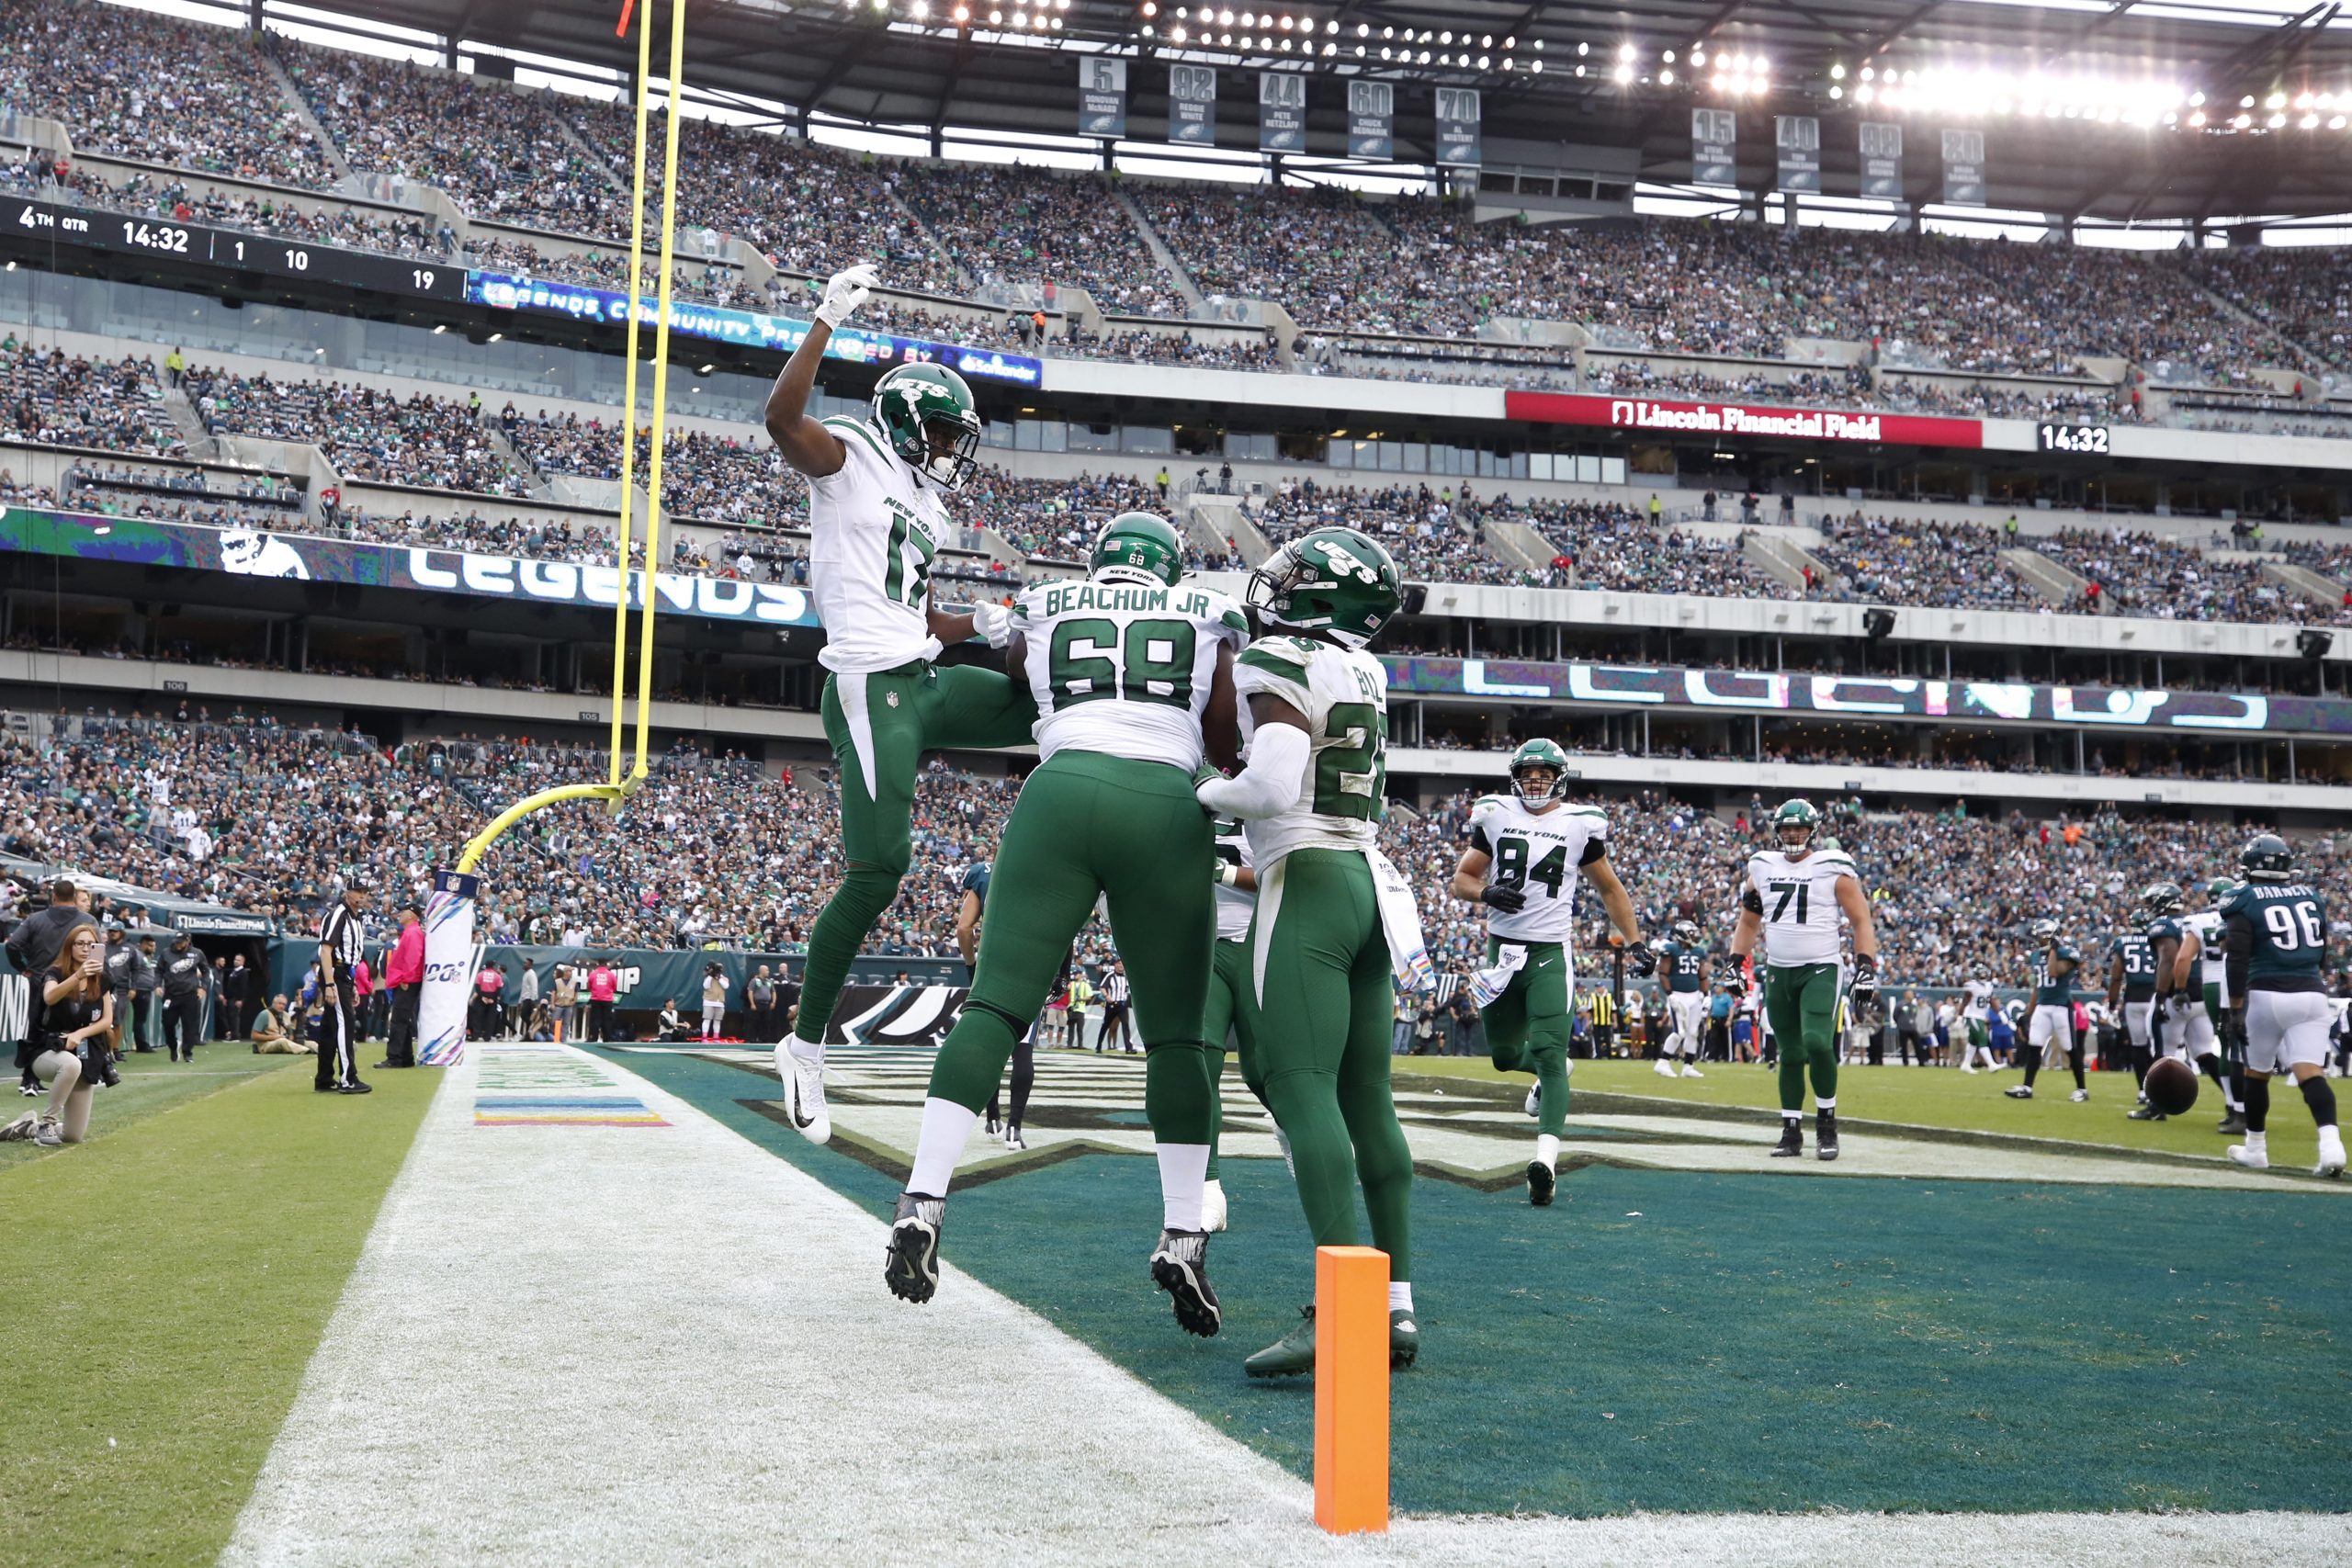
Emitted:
<point x="1739" y="419"/>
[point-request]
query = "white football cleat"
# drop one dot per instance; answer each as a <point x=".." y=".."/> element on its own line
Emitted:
<point x="1535" y="1098"/>
<point x="804" y="1094"/>
<point x="2331" y="1153"/>
<point x="1213" y="1212"/>
<point x="2080" y="1095"/>
<point x="1691" y="1072"/>
<point x="2253" y="1160"/>
<point x="1665" y="1068"/>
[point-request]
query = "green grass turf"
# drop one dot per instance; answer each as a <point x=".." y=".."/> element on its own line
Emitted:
<point x="168" y="1283"/>
<point x="1687" y="1342"/>
<point x="150" y="1086"/>
<point x="1941" y="1097"/>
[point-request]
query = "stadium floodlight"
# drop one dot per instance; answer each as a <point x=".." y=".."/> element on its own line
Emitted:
<point x="1537" y="66"/>
<point x="1836" y="92"/>
<point x="1870" y="72"/>
<point x="2275" y="101"/>
<point x="2335" y="124"/>
<point x="1176" y="34"/>
<point x="2197" y="119"/>
<point x="1837" y="72"/>
<point x="1665" y="75"/>
<point x="2276" y="120"/>
<point x="1625" y="52"/>
<point x="1864" y="93"/>
<point x="1624" y="73"/>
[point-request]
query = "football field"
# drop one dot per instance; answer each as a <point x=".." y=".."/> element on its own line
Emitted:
<point x="609" y="1309"/>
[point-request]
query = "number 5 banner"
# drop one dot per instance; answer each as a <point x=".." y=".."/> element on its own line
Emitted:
<point x="1103" y="97"/>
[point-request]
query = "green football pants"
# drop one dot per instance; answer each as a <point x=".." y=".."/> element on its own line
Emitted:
<point x="1801" y="1001"/>
<point x="880" y="724"/>
<point x="1228" y="982"/>
<point x="1527" y="1026"/>
<point x="1319" y="1007"/>
<point x="1088" y="826"/>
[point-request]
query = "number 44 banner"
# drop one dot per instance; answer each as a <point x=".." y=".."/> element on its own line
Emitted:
<point x="1281" y="112"/>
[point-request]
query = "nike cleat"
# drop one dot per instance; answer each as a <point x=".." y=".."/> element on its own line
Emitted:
<point x="1541" y="1182"/>
<point x="1404" y="1339"/>
<point x="804" y="1094"/>
<point x="911" y="1267"/>
<point x="1535" y="1099"/>
<point x="1691" y="1072"/>
<point x="2231" y="1121"/>
<point x="1792" y="1144"/>
<point x="2253" y="1160"/>
<point x="2331" y="1154"/>
<point x="1179" y="1267"/>
<point x="2144" y="1113"/>
<point x="1213" y="1211"/>
<point x="1824" y="1133"/>
<point x="1293" y="1353"/>
<point x="2019" y="1091"/>
<point x="2080" y="1095"/>
<point x="1665" y="1068"/>
<point x="1014" y="1141"/>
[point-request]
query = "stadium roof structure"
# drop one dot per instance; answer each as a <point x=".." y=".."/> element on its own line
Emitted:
<point x="2089" y="107"/>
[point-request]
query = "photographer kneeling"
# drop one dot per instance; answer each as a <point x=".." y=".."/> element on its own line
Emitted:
<point x="66" y="1048"/>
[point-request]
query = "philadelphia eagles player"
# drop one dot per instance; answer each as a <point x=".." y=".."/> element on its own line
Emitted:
<point x="1792" y="898"/>
<point x="1526" y="849"/>
<point x="1330" y="909"/>
<point x="2052" y="1021"/>
<point x="2200" y="970"/>
<point x="1236" y="899"/>
<point x="876" y="517"/>
<point x="2274" y="927"/>
<point x="1130" y="672"/>
<point x="2132" y="997"/>
<point x="2178" y="1020"/>
<point x="1683" y="963"/>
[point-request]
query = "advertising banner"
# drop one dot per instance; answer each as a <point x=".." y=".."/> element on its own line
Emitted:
<point x="1740" y="419"/>
<point x="451" y="958"/>
<point x="2094" y="707"/>
<point x="513" y="291"/>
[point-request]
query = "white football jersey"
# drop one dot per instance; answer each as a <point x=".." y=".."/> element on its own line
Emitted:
<point x="1800" y="913"/>
<point x="1122" y="669"/>
<point x="2212" y="955"/>
<point x="872" y="528"/>
<point x="1344" y="695"/>
<point x="1980" y="996"/>
<point x="1234" y="904"/>
<point x="1539" y="852"/>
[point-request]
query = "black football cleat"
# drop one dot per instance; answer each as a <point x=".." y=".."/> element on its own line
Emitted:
<point x="1541" y="1181"/>
<point x="1825" y="1135"/>
<point x="1179" y="1267"/>
<point x="1792" y="1144"/>
<point x="911" y="1267"/>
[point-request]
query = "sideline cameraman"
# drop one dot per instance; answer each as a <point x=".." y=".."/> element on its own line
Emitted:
<point x="714" y="999"/>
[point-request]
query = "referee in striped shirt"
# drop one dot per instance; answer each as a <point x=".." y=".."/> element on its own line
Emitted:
<point x="342" y="935"/>
<point x="1115" y="1010"/>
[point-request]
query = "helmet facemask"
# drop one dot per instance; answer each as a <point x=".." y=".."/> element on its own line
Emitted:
<point x="954" y="447"/>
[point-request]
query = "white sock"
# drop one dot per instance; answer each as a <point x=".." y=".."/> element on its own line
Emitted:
<point x="1829" y="1105"/>
<point x="947" y="1128"/>
<point x="1400" y="1295"/>
<point x="1548" y="1151"/>
<point x="1183" y="1167"/>
<point x="2257" y="1143"/>
<point x="812" y="1051"/>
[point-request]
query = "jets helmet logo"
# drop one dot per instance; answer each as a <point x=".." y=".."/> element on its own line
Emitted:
<point x="1344" y="562"/>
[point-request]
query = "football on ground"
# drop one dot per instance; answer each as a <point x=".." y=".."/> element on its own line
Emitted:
<point x="2172" y="1086"/>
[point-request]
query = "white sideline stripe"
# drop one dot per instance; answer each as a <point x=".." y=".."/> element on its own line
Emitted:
<point x="645" y="1346"/>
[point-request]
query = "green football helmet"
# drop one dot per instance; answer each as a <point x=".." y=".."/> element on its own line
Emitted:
<point x="1797" y="816"/>
<point x="1333" y="581"/>
<point x="1136" y="547"/>
<point x="1539" y="755"/>
<point x="2221" y="887"/>
<point x="2266" y="858"/>
<point x="916" y="403"/>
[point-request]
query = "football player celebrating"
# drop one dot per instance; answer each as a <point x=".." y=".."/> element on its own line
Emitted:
<point x="876" y="514"/>
<point x="1332" y="915"/>
<point x="1792" y="897"/>
<point x="1976" y="1020"/>
<point x="1131" y="673"/>
<point x="2201" y="972"/>
<point x="1236" y="879"/>
<point x="2274" y="930"/>
<point x="1684" y="961"/>
<point x="1526" y="852"/>
<point x="2052" y="1021"/>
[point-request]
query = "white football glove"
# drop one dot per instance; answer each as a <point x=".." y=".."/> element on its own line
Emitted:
<point x="993" y="622"/>
<point x="846" y="291"/>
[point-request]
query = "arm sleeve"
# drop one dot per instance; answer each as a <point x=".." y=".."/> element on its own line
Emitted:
<point x="1272" y="782"/>
<point x="2238" y="932"/>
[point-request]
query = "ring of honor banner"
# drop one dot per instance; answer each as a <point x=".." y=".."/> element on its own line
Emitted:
<point x="1191" y="105"/>
<point x="1799" y="139"/>
<point x="1457" y="127"/>
<point x="451" y="958"/>
<point x="1714" y="143"/>
<point x="1103" y="97"/>
<point x="1372" y="120"/>
<point x="1964" y="168"/>
<point x="1882" y="161"/>
<point x="1281" y="112"/>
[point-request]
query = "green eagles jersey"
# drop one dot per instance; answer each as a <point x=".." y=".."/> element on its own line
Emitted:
<point x="1683" y="968"/>
<point x="2139" y="965"/>
<point x="2287" y="923"/>
<point x="2051" y="988"/>
<point x="975" y="882"/>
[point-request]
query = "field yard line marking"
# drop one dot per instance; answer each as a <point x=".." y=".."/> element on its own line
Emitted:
<point x="584" y="1346"/>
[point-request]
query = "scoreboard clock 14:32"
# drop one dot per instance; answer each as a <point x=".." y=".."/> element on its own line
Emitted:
<point x="2088" y="438"/>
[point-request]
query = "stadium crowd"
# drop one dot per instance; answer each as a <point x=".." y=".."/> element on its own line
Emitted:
<point x="368" y="432"/>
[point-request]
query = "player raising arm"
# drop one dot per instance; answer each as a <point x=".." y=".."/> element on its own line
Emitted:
<point x="876" y="514"/>
<point x="1526" y="850"/>
<point x="1791" y="898"/>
